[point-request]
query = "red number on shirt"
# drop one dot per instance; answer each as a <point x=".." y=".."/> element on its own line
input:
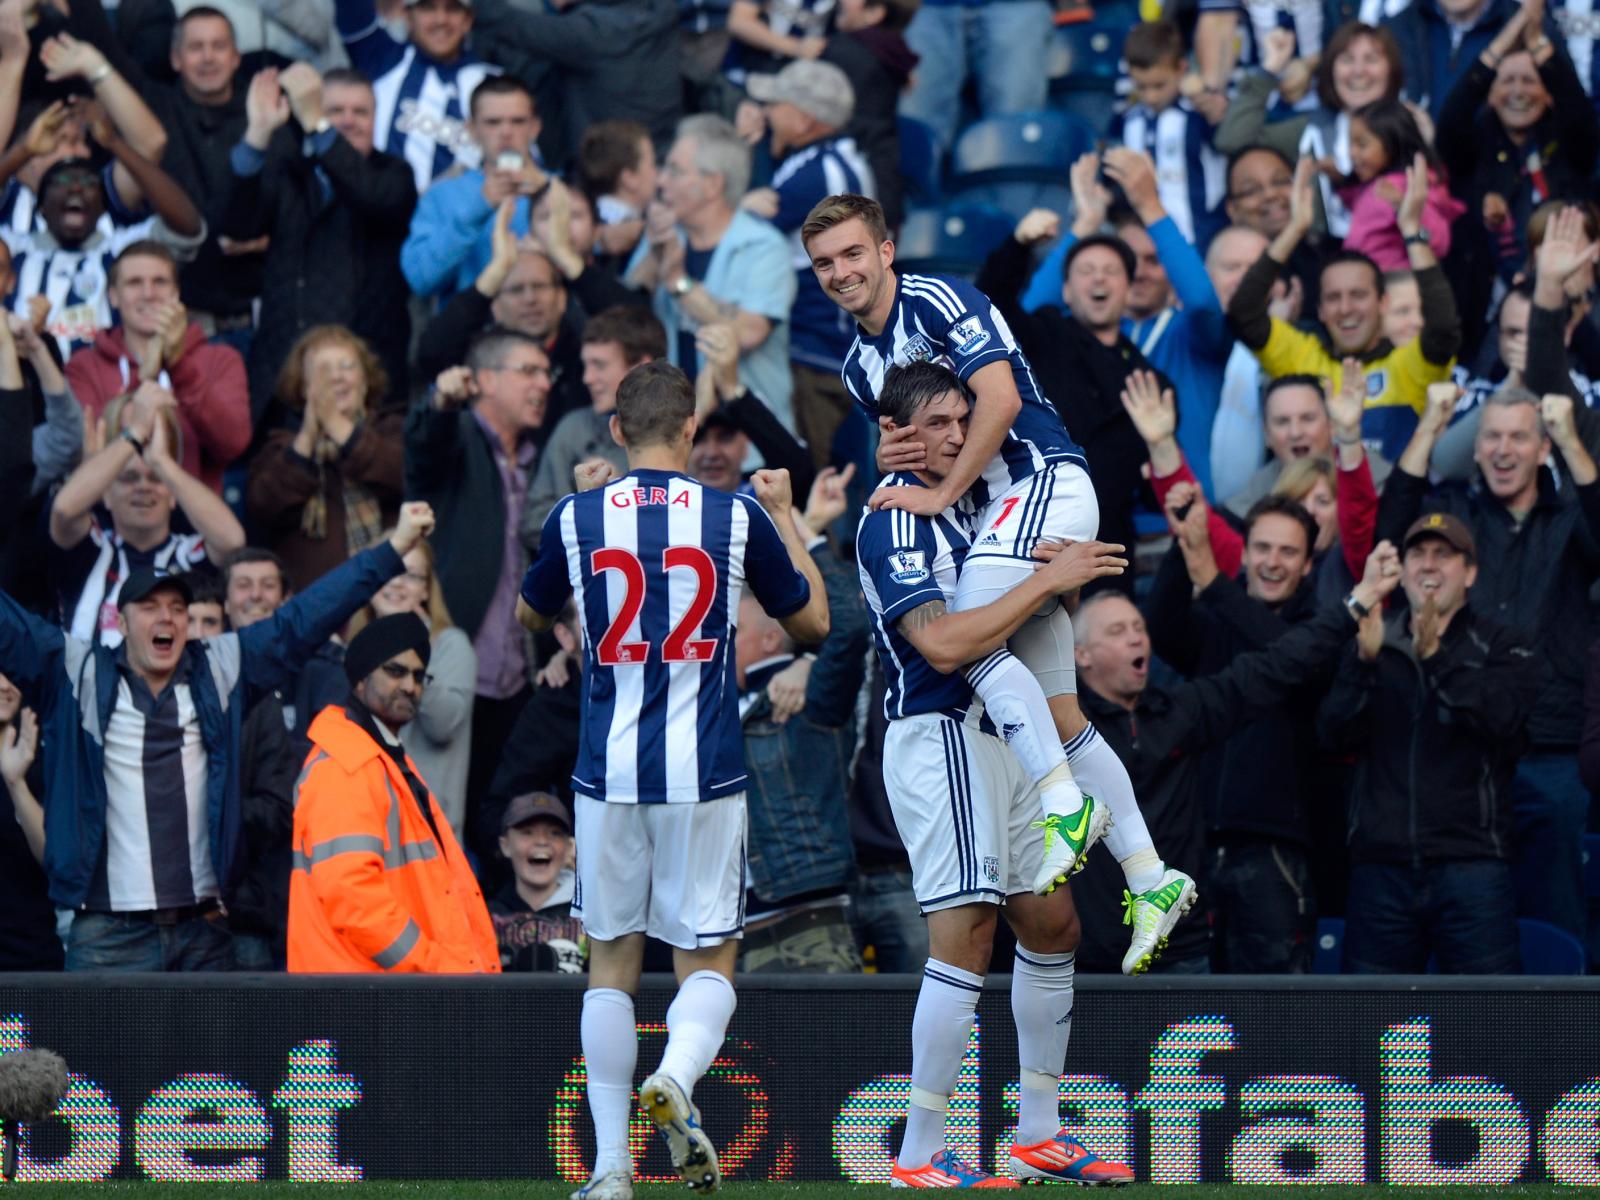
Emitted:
<point x="1005" y="511"/>
<point x="680" y="645"/>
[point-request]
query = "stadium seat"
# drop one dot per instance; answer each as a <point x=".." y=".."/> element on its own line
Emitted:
<point x="1549" y="950"/>
<point x="1591" y="865"/>
<point x="1015" y="199"/>
<point x="1019" y="147"/>
<point x="953" y="240"/>
<point x="1327" y="956"/>
<point x="1093" y="106"/>
<point x="1086" y="56"/>
<point x="919" y="161"/>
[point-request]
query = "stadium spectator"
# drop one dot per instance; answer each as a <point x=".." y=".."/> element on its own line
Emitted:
<point x="439" y="737"/>
<point x="868" y="44"/>
<point x="567" y="228"/>
<point x="805" y="107"/>
<point x="28" y="940"/>
<point x="1350" y="307"/>
<point x="1438" y="41"/>
<point x="617" y="166"/>
<point x="768" y="35"/>
<point x="614" y="342"/>
<point x="258" y="905"/>
<point x="119" y="847"/>
<point x="270" y="32"/>
<point x="203" y="112"/>
<point x="1360" y="64"/>
<point x="426" y="77"/>
<point x="704" y="260"/>
<point x="519" y="288"/>
<point x="380" y="883"/>
<point x="732" y="420"/>
<point x="1000" y="44"/>
<point x="1441" y="687"/>
<point x="798" y="714"/>
<point x="68" y="260"/>
<point x="607" y="59"/>
<point x="1402" y="309"/>
<point x="1160" y="734"/>
<point x="334" y="210"/>
<point x="132" y="474"/>
<point x="1386" y="139"/>
<point x="323" y="491"/>
<point x="468" y="450"/>
<point x="532" y="914"/>
<point x="154" y="341"/>
<point x="451" y="236"/>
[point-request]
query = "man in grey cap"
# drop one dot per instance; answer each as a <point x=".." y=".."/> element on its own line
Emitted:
<point x="804" y="106"/>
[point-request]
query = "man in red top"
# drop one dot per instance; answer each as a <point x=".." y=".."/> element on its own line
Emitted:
<point x="157" y="342"/>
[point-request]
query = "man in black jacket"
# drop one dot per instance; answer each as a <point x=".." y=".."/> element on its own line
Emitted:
<point x="335" y="211"/>
<point x="1160" y="734"/>
<point x="1434" y="703"/>
<point x="1083" y="360"/>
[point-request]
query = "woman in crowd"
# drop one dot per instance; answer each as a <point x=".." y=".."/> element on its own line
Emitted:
<point x="321" y="492"/>
<point x="439" y="739"/>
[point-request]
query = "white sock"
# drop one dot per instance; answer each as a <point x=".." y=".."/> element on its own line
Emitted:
<point x="610" y="1053"/>
<point x="1100" y="773"/>
<point x="1017" y="705"/>
<point x="945" y="1008"/>
<point x="696" y="1022"/>
<point x="1041" y="1006"/>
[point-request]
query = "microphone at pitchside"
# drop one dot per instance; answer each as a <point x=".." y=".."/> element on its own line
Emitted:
<point x="32" y="1085"/>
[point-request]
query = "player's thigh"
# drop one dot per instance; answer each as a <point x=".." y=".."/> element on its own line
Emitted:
<point x="949" y="814"/>
<point x="1056" y="504"/>
<point x="611" y="893"/>
<point x="1044" y="642"/>
<point x="697" y="869"/>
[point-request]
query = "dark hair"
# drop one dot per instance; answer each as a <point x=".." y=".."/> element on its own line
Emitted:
<point x="1340" y="257"/>
<point x="1522" y="290"/>
<point x="630" y="326"/>
<point x="254" y="554"/>
<point x="836" y="210"/>
<point x="205" y="587"/>
<point x="1283" y="507"/>
<point x="607" y="150"/>
<point x="181" y="25"/>
<point x="897" y="13"/>
<point x="1396" y="130"/>
<point x="1289" y="381"/>
<point x="501" y="85"/>
<point x="489" y="348"/>
<point x="1239" y="156"/>
<point x="1153" y="44"/>
<point x="1115" y="244"/>
<point x="906" y="389"/>
<point x="348" y="76"/>
<point x="653" y="402"/>
<point x="143" y="248"/>
<point x="1339" y="43"/>
<point x="67" y="164"/>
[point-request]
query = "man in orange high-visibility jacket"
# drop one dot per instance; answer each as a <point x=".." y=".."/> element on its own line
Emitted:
<point x="379" y="882"/>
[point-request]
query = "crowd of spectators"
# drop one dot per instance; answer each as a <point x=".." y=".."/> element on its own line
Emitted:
<point x="314" y="308"/>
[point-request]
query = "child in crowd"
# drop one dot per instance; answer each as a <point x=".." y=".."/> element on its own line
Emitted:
<point x="1384" y="141"/>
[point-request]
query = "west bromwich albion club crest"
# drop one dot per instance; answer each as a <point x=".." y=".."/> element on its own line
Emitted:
<point x="917" y="349"/>
<point x="908" y="566"/>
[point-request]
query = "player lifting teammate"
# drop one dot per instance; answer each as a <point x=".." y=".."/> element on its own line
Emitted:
<point x="658" y="565"/>
<point x="1027" y="480"/>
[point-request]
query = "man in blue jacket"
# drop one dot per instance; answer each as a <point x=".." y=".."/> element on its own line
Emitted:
<point x="143" y="812"/>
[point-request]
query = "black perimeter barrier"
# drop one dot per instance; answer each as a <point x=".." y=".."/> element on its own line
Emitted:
<point x="1327" y="1080"/>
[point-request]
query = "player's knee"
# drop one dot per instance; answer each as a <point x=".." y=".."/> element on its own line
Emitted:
<point x="963" y="936"/>
<point x="1049" y="927"/>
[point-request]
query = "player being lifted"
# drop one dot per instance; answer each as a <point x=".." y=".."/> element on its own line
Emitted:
<point x="658" y="564"/>
<point x="1027" y="481"/>
<point x="965" y="808"/>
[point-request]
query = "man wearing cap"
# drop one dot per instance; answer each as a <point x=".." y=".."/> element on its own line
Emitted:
<point x="1535" y="517"/>
<point x="143" y="819"/>
<point x="533" y="913"/>
<point x="803" y="107"/>
<point x="380" y="882"/>
<point x="1433" y="702"/>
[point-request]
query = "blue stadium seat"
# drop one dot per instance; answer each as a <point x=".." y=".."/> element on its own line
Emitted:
<point x="1015" y="199"/>
<point x="1549" y="950"/>
<point x="953" y="240"/>
<point x="1086" y="56"/>
<point x="1327" y="956"/>
<point x="919" y="161"/>
<point x="1591" y="865"/>
<point x="1093" y="106"/>
<point x="1019" y="147"/>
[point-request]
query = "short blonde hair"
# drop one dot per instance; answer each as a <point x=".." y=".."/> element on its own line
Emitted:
<point x="1297" y="478"/>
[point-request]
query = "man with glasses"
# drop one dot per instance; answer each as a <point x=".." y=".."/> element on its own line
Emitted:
<point x="380" y="883"/>
<point x="470" y="453"/>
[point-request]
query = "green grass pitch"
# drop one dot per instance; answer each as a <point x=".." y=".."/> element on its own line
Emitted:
<point x="526" y="1190"/>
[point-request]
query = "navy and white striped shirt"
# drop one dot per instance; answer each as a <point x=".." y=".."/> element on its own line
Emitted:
<point x="948" y="321"/>
<point x="819" y="330"/>
<point x="1579" y="22"/>
<point x="1191" y="176"/>
<point x="906" y="561"/>
<point x="658" y="564"/>
<point x="422" y="105"/>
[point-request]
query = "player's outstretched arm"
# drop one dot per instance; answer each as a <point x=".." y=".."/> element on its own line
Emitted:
<point x="951" y="640"/>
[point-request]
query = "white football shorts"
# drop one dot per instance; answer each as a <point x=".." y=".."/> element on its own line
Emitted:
<point x="673" y="871"/>
<point x="964" y="808"/>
